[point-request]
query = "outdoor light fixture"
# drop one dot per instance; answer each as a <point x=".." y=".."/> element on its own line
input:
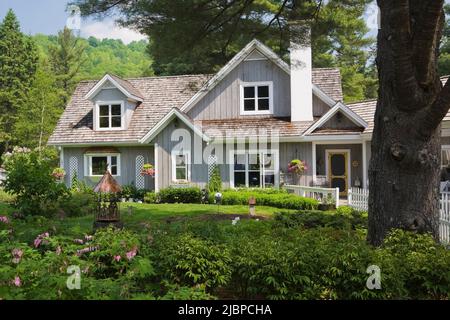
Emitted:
<point x="218" y="199"/>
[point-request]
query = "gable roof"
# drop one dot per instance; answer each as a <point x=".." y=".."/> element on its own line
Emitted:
<point x="318" y="76"/>
<point x="366" y="110"/>
<point x="339" y="107"/>
<point x="124" y="86"/>
<point x="160" y="94"/>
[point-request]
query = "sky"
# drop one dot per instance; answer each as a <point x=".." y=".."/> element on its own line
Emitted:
<point x="50" y="16"/>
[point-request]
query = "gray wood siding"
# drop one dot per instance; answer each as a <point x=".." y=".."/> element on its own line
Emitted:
<point x="223" y="102"/>
<point x="106" y="95"/>
<point x="199" y="169"/>
<point x="355" y="155"/>
<point x="128" y="165"/>
<point x="336" y="123"/>
<point x="319" y="107"/>
<point x="301" y="151"/>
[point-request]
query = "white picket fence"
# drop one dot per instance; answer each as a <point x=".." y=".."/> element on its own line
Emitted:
<point x="359" y="199"/>
<point x="320" y="194"/>
<point x="444" y="223"/>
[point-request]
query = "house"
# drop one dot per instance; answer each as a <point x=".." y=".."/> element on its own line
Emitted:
<point x="250" y="120"/>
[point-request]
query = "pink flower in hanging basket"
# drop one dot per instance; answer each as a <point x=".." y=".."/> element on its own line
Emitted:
<point x="297" y="166"/>
<point x="58" y="173"/>
<point x="148" y="170"/>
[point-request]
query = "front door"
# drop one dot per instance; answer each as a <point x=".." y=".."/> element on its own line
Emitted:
<point x="338" y="174"/>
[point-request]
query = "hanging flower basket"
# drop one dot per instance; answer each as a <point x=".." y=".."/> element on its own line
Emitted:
<point x="59" y="173"/>
<point x="148" y="170"/>
<point x="297" y="167"/>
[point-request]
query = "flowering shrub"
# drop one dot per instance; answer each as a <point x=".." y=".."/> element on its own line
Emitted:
<point x="297" y="166"/>
<point x="30" y="180"/>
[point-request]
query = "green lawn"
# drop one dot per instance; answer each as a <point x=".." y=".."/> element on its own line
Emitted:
<point x="140" y="214"/>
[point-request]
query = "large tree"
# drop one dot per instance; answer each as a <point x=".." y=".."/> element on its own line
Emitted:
<point x="66" y="59"/>
<point x="18" y="63"/>
<point x="406" y="146"/>
<point x="199" y="36"/>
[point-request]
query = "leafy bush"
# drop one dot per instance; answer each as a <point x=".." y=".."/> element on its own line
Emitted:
<point x="131" y="192"/>
<point x="315" y="219"/>
<point x="180" y="195"/>
<point x="78" y="204"/>
<point x="6" y="197"/>
<point x="215" y="183"/>
<point x="150" y="197"/>
<point x="191" y="261"/>
<point x="30" y="180"/>
<point x="268" y="197"/>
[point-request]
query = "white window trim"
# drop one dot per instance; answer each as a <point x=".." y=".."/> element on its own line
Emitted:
<point x="256" y="84"/>
<point x="444" y="147"/>
<point x="109" y="103"/>
<point x="260" y="152"/>
<point x="174" y="165"/>
<point x="88" y="162"/>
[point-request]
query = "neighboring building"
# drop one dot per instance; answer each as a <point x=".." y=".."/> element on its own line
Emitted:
<point x="123" y="124"/>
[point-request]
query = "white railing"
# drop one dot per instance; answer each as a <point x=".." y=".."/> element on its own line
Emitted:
<point x="320" y="194"/>
<point x="444" y="218"/>
<point x="359" y="199"/>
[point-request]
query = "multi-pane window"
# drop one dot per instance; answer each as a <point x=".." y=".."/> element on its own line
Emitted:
<point x="98" y="165"/>
<point x="254" y="169"/>
<point x="180" y="163"/>
<point x="445" y="158"/>
<point x="256" y="98"/>
<point x="110" y="116"/>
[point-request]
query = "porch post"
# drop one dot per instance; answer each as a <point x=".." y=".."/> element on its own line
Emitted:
<point x="157" y="168"/>
<point x="364" y="164"/>
<point x="61" y="157"/>
<point x="314" y="163"/>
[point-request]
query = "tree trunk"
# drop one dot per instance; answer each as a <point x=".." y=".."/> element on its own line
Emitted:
<point x="404" y="171"/>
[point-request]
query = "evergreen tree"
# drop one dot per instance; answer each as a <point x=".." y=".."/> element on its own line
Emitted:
<point x="66" y="59"/>
<point x="197" y="36"/>
<point x="18" y="63"/>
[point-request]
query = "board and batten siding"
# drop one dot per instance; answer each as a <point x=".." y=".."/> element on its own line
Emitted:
<point x="199" y="172"/>
<point x="224" y="101"/>
<point x="301" y="151"/>
<point x="128" y="157"/>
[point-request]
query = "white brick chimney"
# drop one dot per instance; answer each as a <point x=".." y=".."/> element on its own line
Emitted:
<point x="301" y="73"/>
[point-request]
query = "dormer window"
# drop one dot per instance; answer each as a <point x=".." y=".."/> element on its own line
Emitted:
<point x="256" y="98"/>
<point x="109" y="115"/>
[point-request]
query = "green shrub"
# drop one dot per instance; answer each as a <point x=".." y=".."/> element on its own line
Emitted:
<point x="268" y="197"/>
<point x="215" y="183"/>
<point x="78" y="204"/>
<point x="315" y="219"/>
<point x="6" y="197"/>
<point x="180" y="195"/>
<point x="150" y="197"/>
<point x="187" y="260"/>
<point x="30" y="180"/>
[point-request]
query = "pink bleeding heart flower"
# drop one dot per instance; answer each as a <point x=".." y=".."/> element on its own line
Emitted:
<point x="88" y="238"/>
<point x="131" y="254"/>
<point x="17" y="255"/>
<point x="79" y="241"/>
<point x="41" y="239"/>
<point x="58" y="250"/>
<point x="117" y="258"/>
<point x="4" y="219"/>
<point x="17" y="282"/>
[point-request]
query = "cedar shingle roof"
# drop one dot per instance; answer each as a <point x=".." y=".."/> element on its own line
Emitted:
<point x="253" y="126"/>
<point x="160" y="94"/>
<point x="366" y="110"/>
<point x="329" y="80"/>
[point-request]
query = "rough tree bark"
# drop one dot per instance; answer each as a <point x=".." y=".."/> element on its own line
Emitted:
<point x="405" y="165"/>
